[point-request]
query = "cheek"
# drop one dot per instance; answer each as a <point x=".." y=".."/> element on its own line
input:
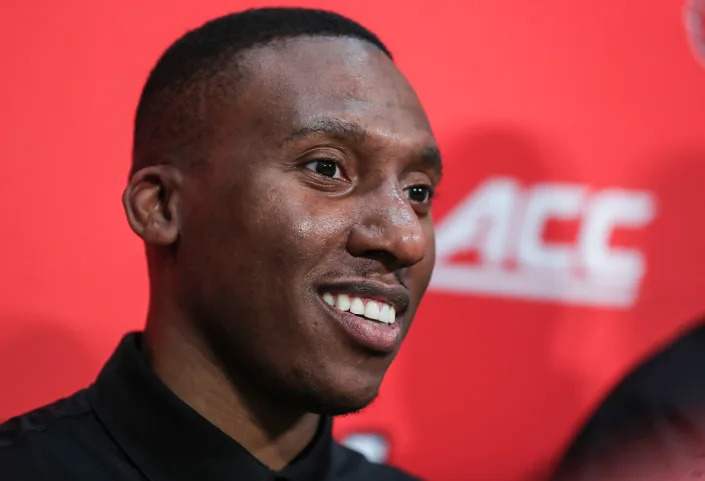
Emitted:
<point x="299" y="224"/>
<point x="431" y="249"/>
<point x="429" y="259"/>
<point x="423" y="270"/>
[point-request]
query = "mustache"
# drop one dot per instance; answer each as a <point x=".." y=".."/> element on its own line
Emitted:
<point x="369" y="270"/>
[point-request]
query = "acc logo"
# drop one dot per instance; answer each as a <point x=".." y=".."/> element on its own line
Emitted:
<point x="694" y="17"/>
<point x="503" y="224"/>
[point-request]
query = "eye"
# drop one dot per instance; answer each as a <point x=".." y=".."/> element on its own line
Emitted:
<point x="326" y="168"/>
<point x="419" y="194"/>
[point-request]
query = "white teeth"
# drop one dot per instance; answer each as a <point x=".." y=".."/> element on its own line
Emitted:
<point x="389" y="316"/>
<point x="343" y="302"/>
<point x="328" y="297"/>
<point x="372" y="310"/>
<point x="356" y="306"/>
<point x="384" y="314"/>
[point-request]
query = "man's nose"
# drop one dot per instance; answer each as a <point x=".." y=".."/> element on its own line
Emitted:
<point x="389" y="230"/>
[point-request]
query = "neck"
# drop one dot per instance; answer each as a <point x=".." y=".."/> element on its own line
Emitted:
<point x="266" y="429"/>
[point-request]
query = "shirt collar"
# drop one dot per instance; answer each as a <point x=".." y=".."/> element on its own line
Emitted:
<point x="169" y="441"/>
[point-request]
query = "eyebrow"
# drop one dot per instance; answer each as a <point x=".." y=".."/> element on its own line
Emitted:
<point x="344" y="130"/>
<point x="337" y="128"/>
<point x="431" y="157"/>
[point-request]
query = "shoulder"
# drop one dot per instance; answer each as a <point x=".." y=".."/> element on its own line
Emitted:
<point x="39" y="437"/>
<point x="48" y="420"/>
<point x="348" y="465"/>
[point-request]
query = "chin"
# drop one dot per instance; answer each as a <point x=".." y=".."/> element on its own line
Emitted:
<point x="334" y="399"/>
<point x="346" y="391"/>
<point x="343" y="404"/>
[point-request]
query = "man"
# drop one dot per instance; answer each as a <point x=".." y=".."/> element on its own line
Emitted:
<point x="652" y="425"/>
<point x="282" y="175"/>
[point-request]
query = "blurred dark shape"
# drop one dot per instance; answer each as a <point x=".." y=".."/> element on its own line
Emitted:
<point x="652" y="425"/>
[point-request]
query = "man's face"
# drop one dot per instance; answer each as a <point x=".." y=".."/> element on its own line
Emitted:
<point x="315" y="193"/>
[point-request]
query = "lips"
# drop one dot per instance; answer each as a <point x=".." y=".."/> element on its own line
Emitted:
<point x="370" y="313"/>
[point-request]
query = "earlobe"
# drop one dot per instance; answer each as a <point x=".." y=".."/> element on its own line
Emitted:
<point x="151" y="201"/>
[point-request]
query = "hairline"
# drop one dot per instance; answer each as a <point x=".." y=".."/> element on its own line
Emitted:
<point x="230" y="63"/>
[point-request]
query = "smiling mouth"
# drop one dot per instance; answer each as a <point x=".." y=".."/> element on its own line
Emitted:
<point x="370" y="309"/>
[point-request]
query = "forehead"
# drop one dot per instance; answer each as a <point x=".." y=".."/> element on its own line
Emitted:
<point x="290" y="84"/>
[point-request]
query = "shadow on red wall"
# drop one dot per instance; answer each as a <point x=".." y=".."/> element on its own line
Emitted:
<point x="40" y="361"/>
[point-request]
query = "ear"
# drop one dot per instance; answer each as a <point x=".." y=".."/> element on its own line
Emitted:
<point x="151" y="201"/>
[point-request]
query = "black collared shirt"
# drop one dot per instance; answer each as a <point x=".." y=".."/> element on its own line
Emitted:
<point x="129" y="426"/>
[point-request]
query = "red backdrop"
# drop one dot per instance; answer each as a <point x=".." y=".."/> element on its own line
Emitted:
<point x="571" y="242"/>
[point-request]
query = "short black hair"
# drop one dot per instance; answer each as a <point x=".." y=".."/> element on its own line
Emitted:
<point x="163" y="111"/>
